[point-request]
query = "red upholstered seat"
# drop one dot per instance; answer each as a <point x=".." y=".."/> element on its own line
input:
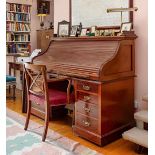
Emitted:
<point x="38" y="91"/>
<point x="56" y="98"/>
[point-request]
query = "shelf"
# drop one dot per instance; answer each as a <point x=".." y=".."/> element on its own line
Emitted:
<point x="18" y="3"/>
<point x="18" y="42"/>
<point x="18" y="12"/>
<point x="19" y="31"/>
<point x="27" y="22"/>
<point x="20" y="53"/>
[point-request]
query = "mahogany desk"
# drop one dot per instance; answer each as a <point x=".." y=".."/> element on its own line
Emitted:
<point x="15" y="66"/>
<point x="103" y="71"/>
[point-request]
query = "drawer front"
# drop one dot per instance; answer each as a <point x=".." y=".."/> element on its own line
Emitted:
<point x="47" y="36"/>
<point x="87" y="109"/>
<point x="45" y="40"/>
<point x="87" y="97"/>
<point x="87" y="86"/>
<point x="87" y="123"/>
<point x="40" y="107"/>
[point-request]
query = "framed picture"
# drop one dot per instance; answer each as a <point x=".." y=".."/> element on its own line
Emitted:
<point x="101" y="32"/>
<point x="97" y="33"/>
<point x="126" y="26"/>
<point x="63" y="29"/>
<point x="74" y="29"/>
<point x="93" y="29"/>
<point x="43" y="7"/>
<point x="83" y="32"/>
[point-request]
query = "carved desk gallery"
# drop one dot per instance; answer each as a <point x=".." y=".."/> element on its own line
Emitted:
<point x="103" y="70"/>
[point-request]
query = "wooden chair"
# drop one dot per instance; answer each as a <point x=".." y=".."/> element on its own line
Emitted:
<point x="38" y="92"/>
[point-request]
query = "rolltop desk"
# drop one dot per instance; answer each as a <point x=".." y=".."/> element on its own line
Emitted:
<point x="102" y="70"/>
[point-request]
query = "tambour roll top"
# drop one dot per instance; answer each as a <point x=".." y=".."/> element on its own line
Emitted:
<point x="96" y="58"/>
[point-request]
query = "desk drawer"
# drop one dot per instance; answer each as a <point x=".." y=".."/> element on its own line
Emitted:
<point x="87" y="123"/>
<point x="87" y="109"/>
<point x="87" y="86"/>
<point x="87" y="97"/>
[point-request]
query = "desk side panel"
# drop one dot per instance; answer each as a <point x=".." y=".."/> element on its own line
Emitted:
<point x="122" y="65"/>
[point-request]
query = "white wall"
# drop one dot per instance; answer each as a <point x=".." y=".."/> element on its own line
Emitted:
<point x="61" y="12"/>
<point x="141" y="56"/>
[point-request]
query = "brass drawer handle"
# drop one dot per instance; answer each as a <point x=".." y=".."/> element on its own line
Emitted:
<point x="85" y="87"/>
<point x="86" y="109"/>
<point x="47" y="37"/>
<point x="87" y="124"/>
<point x="86" y="98"/>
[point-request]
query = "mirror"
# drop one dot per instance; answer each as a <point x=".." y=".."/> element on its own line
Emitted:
<point x="94" y="12"/>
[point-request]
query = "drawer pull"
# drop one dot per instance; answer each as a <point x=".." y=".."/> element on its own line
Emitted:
<point x="38" y="103"/>
<point x="85" y="87"/>
<point x="86" y="98"/>
<point x="86" y="109"/>
<point x="86" y="123"/>
<point x="47" y="37"/>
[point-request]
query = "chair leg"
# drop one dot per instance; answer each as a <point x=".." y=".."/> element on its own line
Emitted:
<point x="73" y="119"/>
<point x="139" y="149"/>
<point x="28" y="114"/>
<point x="14" y="92"/>
<point x="9" y="89"/>
<point x="46" y="124"/>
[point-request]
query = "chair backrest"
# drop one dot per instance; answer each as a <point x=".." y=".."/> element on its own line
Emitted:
<point x="36" y="81"/>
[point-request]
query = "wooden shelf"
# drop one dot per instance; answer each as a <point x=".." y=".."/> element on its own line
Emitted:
<point x="19" y="31"/>
<point x="28" y="22"/>
<point x="18" y="42"/>
<point x="18" y="3"/>
<point x="18" y="12"/>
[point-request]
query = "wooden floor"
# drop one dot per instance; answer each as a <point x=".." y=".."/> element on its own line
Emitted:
<point x="63" y="126"/>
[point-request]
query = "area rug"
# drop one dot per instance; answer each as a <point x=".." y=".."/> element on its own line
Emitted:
<point x="21" y="142"/>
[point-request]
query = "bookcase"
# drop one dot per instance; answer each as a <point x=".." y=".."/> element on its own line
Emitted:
<point x="18" y="20"/>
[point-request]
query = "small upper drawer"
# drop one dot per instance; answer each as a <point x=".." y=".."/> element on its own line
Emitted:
<point x="87" y="86"/>
<point x="86" y="97"/>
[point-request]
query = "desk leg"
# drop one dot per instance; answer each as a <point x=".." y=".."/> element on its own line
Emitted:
<point x="24" y="96"/>
<point x="9" y="74"/>
<point x="9" y="69"/>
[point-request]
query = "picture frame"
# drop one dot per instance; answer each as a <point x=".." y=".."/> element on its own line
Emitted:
<point x="74" y="30"/>
<point x="101" y="32"/>
<point x="126" y="26"/>
<point x="84" y="32"/>
<point x="93" y="29"/>
<point x="97" y="33"/>
<point x="43" y="7"/>
<point x="63" y="29"/>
